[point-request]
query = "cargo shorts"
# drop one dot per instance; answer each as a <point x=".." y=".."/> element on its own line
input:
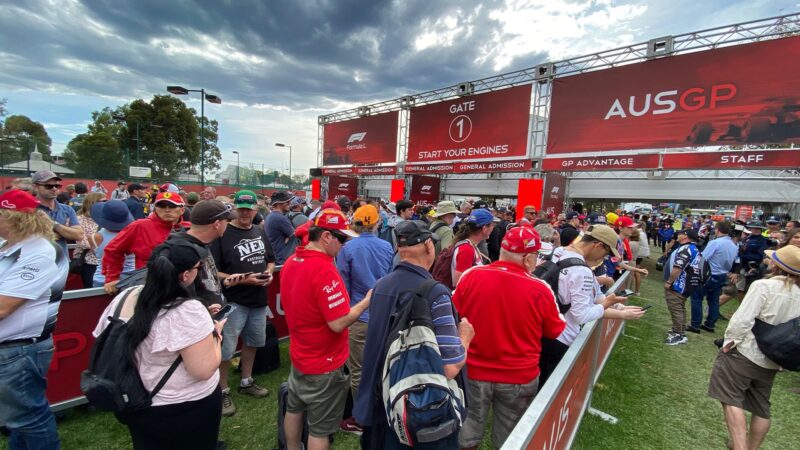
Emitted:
<point x="322" y="397"/>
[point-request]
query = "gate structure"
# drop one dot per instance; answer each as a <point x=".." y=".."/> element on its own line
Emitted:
<point x="657" y="177"/>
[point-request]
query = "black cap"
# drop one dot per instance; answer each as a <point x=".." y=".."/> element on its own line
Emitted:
<point x="207" y="212"/>
<point x="773" y="219"/>
<point x="181" y="253"/>
<point x="280" y="197"/>
<point x="413" y="232"/>
<point x="754" y="224"/>
<point x="135" y="187"/>
<point x="480" y="204"/>
<point x="690" y="233"/>
<point x="572" y="215"/>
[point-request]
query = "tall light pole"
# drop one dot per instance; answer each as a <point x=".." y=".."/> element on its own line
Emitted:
<point x="278" y="144"/>
<point x="237" y="166"/>
<point x="180" y="90"/>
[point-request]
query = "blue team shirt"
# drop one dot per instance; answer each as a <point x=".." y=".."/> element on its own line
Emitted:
<point x="64" y="215"/>
<point x="361" y="262"/>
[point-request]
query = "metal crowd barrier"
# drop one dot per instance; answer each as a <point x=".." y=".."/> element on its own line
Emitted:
<point x="552" y="420"/>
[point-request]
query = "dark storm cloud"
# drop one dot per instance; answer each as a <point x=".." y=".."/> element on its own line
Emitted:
<point x="292" y="54"/>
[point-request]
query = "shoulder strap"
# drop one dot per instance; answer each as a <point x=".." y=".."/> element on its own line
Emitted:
<point x="437" y="226"/>
<point x="570" y="262"/>
<point x="166" y="376"/>
<point x="121" y="303"/>
<point x="425" y="288"/>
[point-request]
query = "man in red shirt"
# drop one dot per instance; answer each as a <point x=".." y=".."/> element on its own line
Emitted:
<point x="318" y="313"/>
<point x="510" y="311"/>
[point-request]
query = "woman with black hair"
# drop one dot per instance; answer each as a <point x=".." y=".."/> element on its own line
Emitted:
<point x="167" y="324"/>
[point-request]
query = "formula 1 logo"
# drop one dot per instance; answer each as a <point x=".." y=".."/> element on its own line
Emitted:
<point x="357" y="137"/>
<point x="555" y="190"/>
<point x="344" y="185"/>
<point x="426" y="188"/>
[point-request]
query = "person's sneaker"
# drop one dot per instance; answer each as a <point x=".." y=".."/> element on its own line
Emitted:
<point x="676" y="339"/>
<point x="719" y="342"/>
<point x="228" y="408"/>
<point x="253" y="389"/>
<point x="693" y="329"/>
<point x="350" y="425"/>
<point x="704" y="327"/>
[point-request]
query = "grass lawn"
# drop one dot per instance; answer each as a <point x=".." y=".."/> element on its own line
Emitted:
<point x="657" y="392"/>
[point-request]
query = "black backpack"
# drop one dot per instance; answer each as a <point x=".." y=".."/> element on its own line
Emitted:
<point x="549" y="271"/>
<point x="780" y="343"/>
<point x="112" y="381"/>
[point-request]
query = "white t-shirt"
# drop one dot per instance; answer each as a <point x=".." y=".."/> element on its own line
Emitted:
<point x="28" y="271"/>
<point x="579" y="288"/>
<point x="172" y="331"/>
<point x="644" y="246"/>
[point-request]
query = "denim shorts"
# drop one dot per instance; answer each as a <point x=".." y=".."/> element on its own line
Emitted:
<point x="249" y="323"/>
<point x="23" y="405"/>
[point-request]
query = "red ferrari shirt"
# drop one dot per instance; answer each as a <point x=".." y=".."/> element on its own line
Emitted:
<point x="313" y="294"/>
<point x="510" y="311"/>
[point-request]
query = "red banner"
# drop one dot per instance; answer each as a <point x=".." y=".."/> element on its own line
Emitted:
<point x="342" y="186"/>
<point x="743" y="93"/>
<point x="743" y="212"/>
<point x="759" y="159"/>
<point x="371" y="139"/>
<point x="485" y="126"/>
<point x="360" y="170"/>
<point x="589" y="163"/>
<point x="398" y="190"/>
<point x="522" y="165"/>
<point x="529" y="193"/>
<point x="316" y="188"/>
<point x="555" y="187"/>
<point x="425" y="189"/>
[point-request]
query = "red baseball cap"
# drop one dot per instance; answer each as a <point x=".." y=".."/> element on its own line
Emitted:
<point x="331" y="219"/>
<point x="624" y="221"/>
<point x="169" y="197"/>
<point x="19" y="200"/>
<point x="521" y="240"/>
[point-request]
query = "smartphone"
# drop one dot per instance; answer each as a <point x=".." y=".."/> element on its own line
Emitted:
<point x="646" y="307"/>
<point x="263" y="276"/>
<point x="224" y="312"/>
<point x="625" y="293"/>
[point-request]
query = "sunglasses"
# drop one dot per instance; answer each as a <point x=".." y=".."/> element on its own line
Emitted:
<point x="166" y="205"/>
<point x="225" y="212"/>
<point x="340" y="237"/>
<point x="50" y="186"/>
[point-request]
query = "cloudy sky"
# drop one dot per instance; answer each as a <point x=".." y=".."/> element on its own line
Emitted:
<point x="277" y="65"/>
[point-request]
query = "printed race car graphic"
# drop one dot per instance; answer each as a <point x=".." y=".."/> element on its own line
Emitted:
<point x="777" y="121"/>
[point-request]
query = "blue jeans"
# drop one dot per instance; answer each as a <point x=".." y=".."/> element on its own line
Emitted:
<point x="23" y="406"/>
<point x="711" y="291"/>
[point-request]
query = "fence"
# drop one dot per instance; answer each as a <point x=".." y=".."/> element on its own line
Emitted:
<point x="552" y="420"/>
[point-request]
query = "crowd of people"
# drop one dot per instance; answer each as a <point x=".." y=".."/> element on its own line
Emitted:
<point x="189" y="272"/>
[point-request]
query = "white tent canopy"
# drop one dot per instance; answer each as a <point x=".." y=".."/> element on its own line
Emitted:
<point x="35" y="163"/>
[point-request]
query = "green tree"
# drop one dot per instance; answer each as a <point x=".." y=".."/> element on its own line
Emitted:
<point x="96" y="155"/>
<point x="20" y="135"/>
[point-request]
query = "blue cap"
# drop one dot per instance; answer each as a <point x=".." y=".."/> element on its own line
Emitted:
<point x="481" y="217"/>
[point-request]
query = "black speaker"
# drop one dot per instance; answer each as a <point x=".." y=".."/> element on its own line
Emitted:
<point x="315" y="172"/>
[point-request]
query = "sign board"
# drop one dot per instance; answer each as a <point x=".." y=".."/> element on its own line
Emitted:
<point x="360" y="170"/>
<point x="743" y="212"/>
<point x="555" y="190"/>
<point x="139" y="172"/>
<point x="742" y="94"/>
<point x="591" y="163"/>
<point x="424" y="189"/>
<point x="513" y="165"/>
<point x="342" y="186"/>
<point x="754" y="159"/>
<point x="366" y="140"/>
<point x="488" y="126"/>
